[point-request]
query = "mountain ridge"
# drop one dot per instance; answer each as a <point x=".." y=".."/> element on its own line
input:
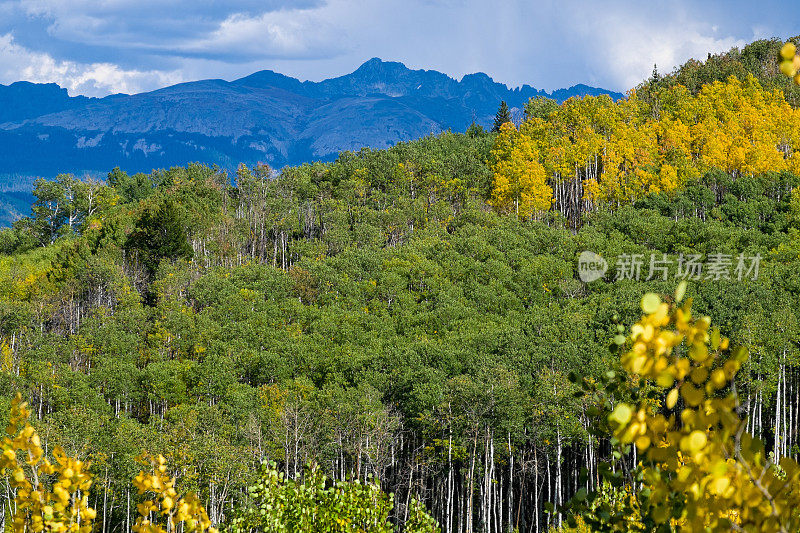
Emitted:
<point x="263" y="117"/>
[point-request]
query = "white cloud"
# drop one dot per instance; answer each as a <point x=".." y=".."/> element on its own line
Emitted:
<point x="285" y="34"/>
<point x="95" y="79"/>
<point x="624" y="45"/>
<point x="159" y="26"/>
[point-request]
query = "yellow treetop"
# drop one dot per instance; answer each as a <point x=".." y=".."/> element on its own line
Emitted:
<point x="621" y="151"/>
<point x="520" y="184"/>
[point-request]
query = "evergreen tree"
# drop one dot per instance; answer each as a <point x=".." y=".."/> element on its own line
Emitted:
<point x="160" y="235"/>
<point x="503" y="116"/>
<point x="655" y="76"/>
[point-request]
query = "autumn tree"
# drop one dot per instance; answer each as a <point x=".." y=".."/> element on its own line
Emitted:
<point x="540" y="107"/>
<point x="519" y="178"/>
<point x="597" y="153"/>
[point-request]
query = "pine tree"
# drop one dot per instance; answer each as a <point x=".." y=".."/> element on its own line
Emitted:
<point x="160" y="235"/>
<point x="655" y="77"/>
<point x="502" y="117"/>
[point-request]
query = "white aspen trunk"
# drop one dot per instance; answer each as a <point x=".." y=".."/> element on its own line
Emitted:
<point x="783" y="409"/>
<point x="468" y="516"/>
<point x="787" y="412"/>
<point x="485" y="496"/>
<point x="491" y="484"/>
<point x="449" y="514"/>
<point x="760" y="404"/>
<point x="790" y="412"/>
<point x="105" y="501"/>
<point x="778" y="447"/>
<point x="510" y="496"/>
<point x="559" y="495"/>
<point x="550" y="491"/>
<point x="296" y="442"/>
<point x="796" y="403"/>
<point x="535" y="491"/>
<point x="408" y="496"/>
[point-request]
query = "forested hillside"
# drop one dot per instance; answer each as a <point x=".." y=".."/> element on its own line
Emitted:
<point x="371" y="314"/>
<point x="412" y="314"/>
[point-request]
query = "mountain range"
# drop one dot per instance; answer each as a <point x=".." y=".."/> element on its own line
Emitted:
<point x="265" y="117"/>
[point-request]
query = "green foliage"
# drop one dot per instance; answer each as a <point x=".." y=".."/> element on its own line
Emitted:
<point x="540" y="107"/>
<point x="160" y="234"/>
<point x="759" y="59"/>
<point x="130" y="188"/>
<point x="317" y="505"/>
<point x="419" y="520"/>
<point x="475" y="130"/>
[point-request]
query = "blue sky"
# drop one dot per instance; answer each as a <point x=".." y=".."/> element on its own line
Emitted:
<point x="97" y="47"/>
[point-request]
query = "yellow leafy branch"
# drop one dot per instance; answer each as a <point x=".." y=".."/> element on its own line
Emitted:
<point x="163" y="511"/>
<point x="58" y="506"/>
<point x="53" y="496"/>
<point x="697" y="456"/>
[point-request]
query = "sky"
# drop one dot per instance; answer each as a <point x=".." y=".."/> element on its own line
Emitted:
<point x="99" y="47"/>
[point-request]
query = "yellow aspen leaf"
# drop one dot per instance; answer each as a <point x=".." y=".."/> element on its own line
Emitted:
<point x="672" y="398"/>
<point x="622" y="414"/>
<point x="650" y="303"/>
<point x="788" y="50"/>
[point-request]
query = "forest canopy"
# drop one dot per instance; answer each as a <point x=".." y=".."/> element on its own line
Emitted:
<point x="409" y="315"/>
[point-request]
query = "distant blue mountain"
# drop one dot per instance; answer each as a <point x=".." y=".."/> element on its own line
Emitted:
<point x="23" y="100"/>
<point x="265" y="117"/>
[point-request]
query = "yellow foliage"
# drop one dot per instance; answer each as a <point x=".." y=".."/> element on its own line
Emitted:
<point x="620" y="151"/>
<point x="790" y="62"/>
<point x="163" y="511"/>
<point x="60" y="505"/>
<point x="696" y="455"/>
<point x="53" y="496"/>
<point x="519" y="179"/>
